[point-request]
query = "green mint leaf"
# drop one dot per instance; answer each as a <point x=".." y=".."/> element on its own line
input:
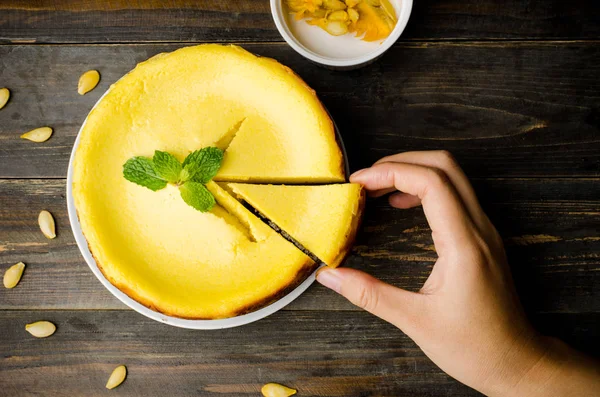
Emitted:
<point x="141" y="170"/>
<point x="197" y="196"/>
<point x="184" y="175"/>
<point x="167" y="166"/>
<point x="202" y="165"/>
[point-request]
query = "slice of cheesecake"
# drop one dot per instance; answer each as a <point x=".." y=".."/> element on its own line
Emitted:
<point x="323" y="219"/>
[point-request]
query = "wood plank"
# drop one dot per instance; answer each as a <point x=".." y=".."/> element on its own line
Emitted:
<point x="504" y="109"/>
<point x="319" y="353"/>
<point x="95" y="21"/>
<point x="550" y="228"/>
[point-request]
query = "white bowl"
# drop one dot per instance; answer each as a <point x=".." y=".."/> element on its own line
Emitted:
<point x="138" y="307"/>
<point x="337" y="52"/>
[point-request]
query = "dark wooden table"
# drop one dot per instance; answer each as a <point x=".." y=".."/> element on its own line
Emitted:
<point x="511" y="87"/>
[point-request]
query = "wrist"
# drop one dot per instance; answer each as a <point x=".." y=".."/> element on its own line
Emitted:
<point x="540" y="372"/>
<point x="546" y="367"/>
<point x="522" y="369"/>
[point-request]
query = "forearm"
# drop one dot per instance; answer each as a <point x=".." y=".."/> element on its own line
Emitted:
<point x="549" y="368"/>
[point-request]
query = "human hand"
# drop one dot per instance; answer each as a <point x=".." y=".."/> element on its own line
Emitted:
<point x="467" y="317"/>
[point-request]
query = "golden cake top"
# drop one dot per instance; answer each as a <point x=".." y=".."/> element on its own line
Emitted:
<point x="152" y="245"/>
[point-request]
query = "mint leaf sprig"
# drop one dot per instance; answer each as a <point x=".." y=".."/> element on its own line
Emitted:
<point x="198" y="168"/>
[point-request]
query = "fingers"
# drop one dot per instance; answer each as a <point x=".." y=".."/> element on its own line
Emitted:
<point x="451" y="227"/>
<point x="444" y="161"/>
<point x="404" y="200"/>
<point x="394" y="305"/>
<point x="381" y="192"/>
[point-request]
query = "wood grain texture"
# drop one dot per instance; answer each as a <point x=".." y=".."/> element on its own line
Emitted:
<point x="319" y="353"/>
<point x="550" y="229"/>
<point x="522" y="118"/>
<point x="66" y="21"/>
<point x="505" y="110"/>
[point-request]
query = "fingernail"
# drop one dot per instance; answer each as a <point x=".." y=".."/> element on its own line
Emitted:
<point x="357" y="173"/>
<point x="330" y="278"/>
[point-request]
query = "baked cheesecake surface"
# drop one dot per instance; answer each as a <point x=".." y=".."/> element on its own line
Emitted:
<point x="152" y="245"/>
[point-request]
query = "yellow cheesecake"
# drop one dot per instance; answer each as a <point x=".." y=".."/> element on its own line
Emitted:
<point x="151" y="244"/>
<point x="323" y="219"/>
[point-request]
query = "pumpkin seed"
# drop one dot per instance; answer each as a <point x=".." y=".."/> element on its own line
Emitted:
<point x="339" y="15"/>
<point x="46" y="222"/>
<point x="336" y="28"/>
<point x="353" y="14"/>
<point x="117" y="377"/>
<point x="41" y="134"/>
<point x="277" y="390"/>
<point x="41" y="329"/>
<point x="334" y="5"/>
<point x="4" y="96"/>
<point x="13" y="274"/>
<point x="88" y="81"/>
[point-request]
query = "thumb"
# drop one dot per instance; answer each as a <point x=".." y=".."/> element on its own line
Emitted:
<point x="394" y="305"/>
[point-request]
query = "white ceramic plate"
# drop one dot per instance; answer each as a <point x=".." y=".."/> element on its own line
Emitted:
<point x="138" y="307"/>
<point x="338" y="52"/>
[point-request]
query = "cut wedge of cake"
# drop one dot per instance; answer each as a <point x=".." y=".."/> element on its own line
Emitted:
<point x="323" y="219"/>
